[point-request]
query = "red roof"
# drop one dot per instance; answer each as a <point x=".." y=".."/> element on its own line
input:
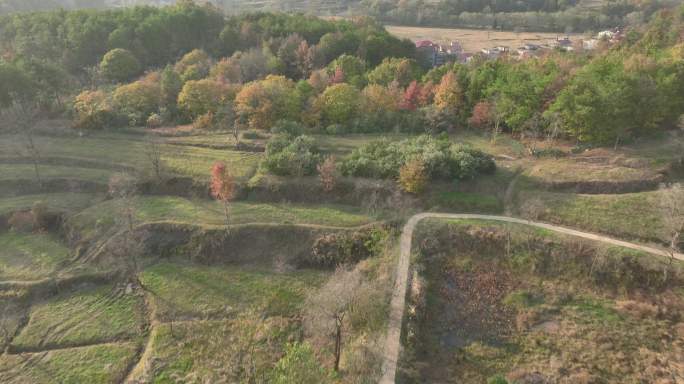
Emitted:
<point x="424" y="43"/>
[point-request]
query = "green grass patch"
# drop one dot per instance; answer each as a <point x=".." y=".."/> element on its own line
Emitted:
<point x="47" y="172"/>
<point x="68" y="202"/>
<point x="594" y="310"/>
<point x="470" y="202"/>
<point x="106" y="363"/>
<point x="178" y="209"/>
<point x="83" y="317"/>
<point x="219" y="350"/>
<point x="122" y="149"/>
<point x="200" y="291"/>
<point x="630" y="215"/>
<point x="30" y="256"/>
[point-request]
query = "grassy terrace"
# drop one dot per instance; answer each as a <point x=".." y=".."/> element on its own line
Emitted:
<point x="167" y="208"/>
<point x="629" y="216"/>
<point x="214" y="350"/>
<point x="112" y="151"/>
<point x="82" y="317"/>
<point x="192" y="291"/>
<point x="100" y="364"/>
<point x="30" y="256"/>
<point x="68" y="202"/>
<point x="26" y="172"/>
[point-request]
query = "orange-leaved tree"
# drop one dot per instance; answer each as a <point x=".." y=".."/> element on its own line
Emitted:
<point x="222" y="186"/>
<point x="413" y="176"/>
<point x="327" y="172"/>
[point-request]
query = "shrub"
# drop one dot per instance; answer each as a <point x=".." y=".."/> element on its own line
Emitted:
<point x="441" y="158"/>
<point x="288" y="127"/>
<point x="288" y="155"/>
<point x="204" y="122"/>
<point x="154" y="121"/>
<point x="347" y="248"/>
<point x="327" y="173"/>
<point x="412" y="177"/>
<point x="253" y="135"/>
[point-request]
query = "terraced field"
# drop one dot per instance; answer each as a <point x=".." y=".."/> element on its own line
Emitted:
<point x="105" y="153"/>
<point x="31" y="256"/>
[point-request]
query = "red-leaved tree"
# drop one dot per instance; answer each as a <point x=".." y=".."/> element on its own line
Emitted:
<point x="411" y="99"/>
<point x="222" y="186"/>
<point x="427" y="93"/>
<point x="482" y="115"/>
<point x="338" y="77"/>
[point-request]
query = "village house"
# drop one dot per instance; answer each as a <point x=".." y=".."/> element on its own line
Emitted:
<point x="435" y="54"/>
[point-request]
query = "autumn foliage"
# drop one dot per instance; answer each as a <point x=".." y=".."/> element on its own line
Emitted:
<point x="413" y="176"/>
<point x="222" y="185"/>
<point x="481" y="117"/>
<point x="327" y="172"/>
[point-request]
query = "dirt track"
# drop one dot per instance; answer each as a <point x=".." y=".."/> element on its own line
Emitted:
<point x="393" y="341"/>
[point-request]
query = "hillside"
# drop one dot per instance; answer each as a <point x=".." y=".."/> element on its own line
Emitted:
<point x="186" y="197"/>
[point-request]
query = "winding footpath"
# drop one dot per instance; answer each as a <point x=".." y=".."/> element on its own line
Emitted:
<point x="393" y="341"/>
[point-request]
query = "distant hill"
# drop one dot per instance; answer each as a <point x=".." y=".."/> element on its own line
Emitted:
<point x="324" y="7"/>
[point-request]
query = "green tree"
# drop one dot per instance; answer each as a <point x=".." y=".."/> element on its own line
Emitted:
<point x="353" y="68"/>
<point x="261" y="103"/>
<point x="200" y="97"/>
<point x="138" y="100"/>
<point x="119" y="65"/>
<point x="171" y="85"/>
<point x="403" y="71"/>
<point x="16" y="85"/>
<point x="339" y="104"/>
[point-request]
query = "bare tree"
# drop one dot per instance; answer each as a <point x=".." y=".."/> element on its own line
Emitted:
<point x="672" y="210"/>
<point x="328" y="308"/>
<point x="123" y="188"/>
<point x="20" y="118"/>
<point x="153" y="152"/>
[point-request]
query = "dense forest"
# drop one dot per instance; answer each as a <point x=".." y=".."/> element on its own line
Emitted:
<point x="297" y="74"/>
<point x="535" y="15"/>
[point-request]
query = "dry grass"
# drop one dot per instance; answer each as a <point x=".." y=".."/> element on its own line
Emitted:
<point x="473" y="40"/>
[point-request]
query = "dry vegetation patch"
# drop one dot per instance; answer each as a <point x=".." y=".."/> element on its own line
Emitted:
<point x="533" y="307"/>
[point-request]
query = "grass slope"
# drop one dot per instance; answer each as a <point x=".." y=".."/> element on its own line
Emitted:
<point x="100" y="364"/>
<point x="218" y="350"/>
<point x="83" y="317"/>
<point x="630" y="215"/>
<point x="30" y="256"/>
<point x="68" y="202"/>
<point x="169" y="208"/>
<point x="190" y="291"/>
<point x="114" y="150"/>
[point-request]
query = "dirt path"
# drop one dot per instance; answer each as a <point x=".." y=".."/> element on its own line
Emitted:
<point x="393" y="342"/>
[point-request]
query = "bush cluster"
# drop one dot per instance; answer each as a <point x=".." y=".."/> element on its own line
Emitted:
<point x="441" y="159"/>
<point x="288" y="155"/>
<point x="335" y="249"/>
